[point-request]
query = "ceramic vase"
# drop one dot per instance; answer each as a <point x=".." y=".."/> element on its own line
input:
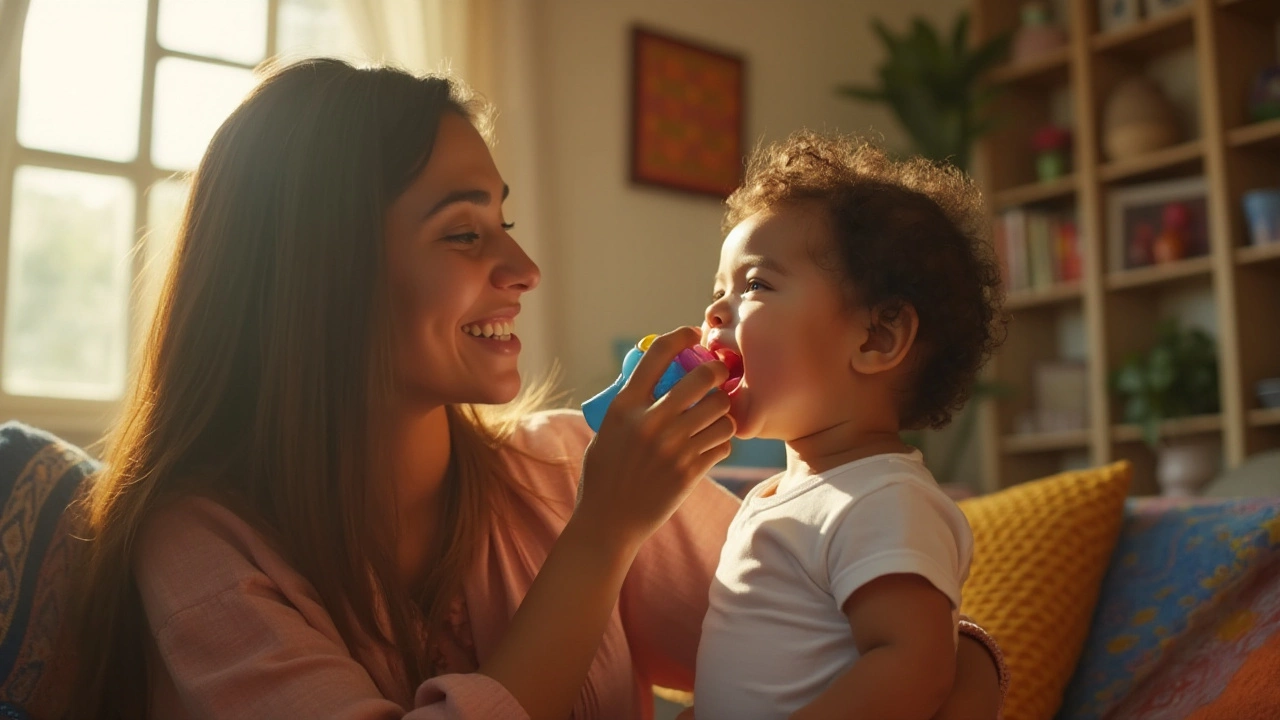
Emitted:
<point x="1184" y="467"/>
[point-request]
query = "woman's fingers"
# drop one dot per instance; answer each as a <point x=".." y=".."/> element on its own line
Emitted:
<point x="639" y="387"/>
<point x="692" y="388"/>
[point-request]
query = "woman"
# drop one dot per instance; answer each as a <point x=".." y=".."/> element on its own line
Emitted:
<point x="306" y="512"/>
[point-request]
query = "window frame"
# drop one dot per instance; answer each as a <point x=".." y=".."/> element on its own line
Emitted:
<point x="80" y="418"/>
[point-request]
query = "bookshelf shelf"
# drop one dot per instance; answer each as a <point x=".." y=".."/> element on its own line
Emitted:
<point x="1024" y="443"/>
<point x="1149" y="37"/>
<point x="1181" y="427"/>
<point x="1159" y="274"/>
<point x="1257" y="135"/>
<point x="1060" y="189"/>
<point x="1049" y="69"/>
<point x="1254" y="254"/>
<point x="1055" y="294"/>
<point x="1206" y="55"/>
<point x="1171" y="161"/>
<point x="1266" y="417"/>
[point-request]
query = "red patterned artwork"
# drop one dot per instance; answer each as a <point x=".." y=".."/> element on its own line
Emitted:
<point x="687" y="115"/>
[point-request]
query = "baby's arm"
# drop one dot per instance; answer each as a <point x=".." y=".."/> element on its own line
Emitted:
<point x="903" y="628"/>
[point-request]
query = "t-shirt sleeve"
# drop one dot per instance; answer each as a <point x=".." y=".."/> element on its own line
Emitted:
<point x="899" y="529"/>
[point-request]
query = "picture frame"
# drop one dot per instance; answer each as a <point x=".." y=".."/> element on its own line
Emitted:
<point x="1061" y="392"/>
<point x="1118" y="14"/>
<point x="1157" y="223"/>
<point x="687" y="115"/>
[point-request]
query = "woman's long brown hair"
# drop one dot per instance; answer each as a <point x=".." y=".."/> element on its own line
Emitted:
<point x="267" y="366"/>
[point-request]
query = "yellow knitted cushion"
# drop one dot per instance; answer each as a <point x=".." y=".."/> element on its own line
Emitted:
<point x="1040" y="552"/>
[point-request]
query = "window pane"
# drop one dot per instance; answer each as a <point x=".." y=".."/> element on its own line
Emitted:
<point x="166" y="201"/>
<point x="314" y="27"/>
<point x="81" y="85"/>
<point x="233" y="30"/>
<point x="66" y="313"/>
<point x="192" y="100"/>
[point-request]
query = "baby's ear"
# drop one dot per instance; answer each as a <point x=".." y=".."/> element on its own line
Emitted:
<point x="890" y="334"/>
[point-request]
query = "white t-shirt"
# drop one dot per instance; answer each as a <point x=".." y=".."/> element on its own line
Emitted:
<point x="775" y="635"/>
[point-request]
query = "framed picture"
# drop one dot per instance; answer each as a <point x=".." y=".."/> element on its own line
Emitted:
<point x="1061" y="395"/>
<point x="1157" y="223"/>
<point x="1116" y="14"/>
<point x="686" y="116"/>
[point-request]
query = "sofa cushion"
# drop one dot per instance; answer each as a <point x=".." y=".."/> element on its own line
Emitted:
<point x="39" y="475"/>
<point x="1040" y="553"/>
<point x="1188" y="621"/>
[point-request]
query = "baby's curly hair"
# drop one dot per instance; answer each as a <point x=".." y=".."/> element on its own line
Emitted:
<point x="907" y="232"/>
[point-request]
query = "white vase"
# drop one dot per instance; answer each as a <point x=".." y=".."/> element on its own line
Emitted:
<point x="1183" y="468"/>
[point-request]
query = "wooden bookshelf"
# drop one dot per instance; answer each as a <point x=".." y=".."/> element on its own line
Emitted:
<point x="1033" y="193"/>
<point x="1109" y="314"/>
<point x="1055" y="294"/>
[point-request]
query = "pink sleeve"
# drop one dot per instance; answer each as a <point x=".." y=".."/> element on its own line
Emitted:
<point x="240" y="634"/>
<point x="665" y="595"/>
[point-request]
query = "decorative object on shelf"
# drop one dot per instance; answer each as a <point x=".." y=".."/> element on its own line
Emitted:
<point x="1138" y="118"/>
<point x="687" y="115"/>
<point x="1157" y="223"/>
<point x="1264" y="96"/>
<point x="1177" y="377"/>
<point x="1118" y="14"/>
<point x="1268" y="391"/>
<point x="1262" y="215"/>
<point x="933" y="87"/>
<point x="1156" y="8"/>
<point x="1061" y="396"/>
<point x="1183" y="467"/>
<point x="1052" y="145"/>
<point x="1038" y="35"/>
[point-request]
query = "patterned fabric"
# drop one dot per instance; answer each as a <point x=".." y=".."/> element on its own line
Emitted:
<point x="39" y="475"/>
<point x="1040" y="553"/>
<point x="1188" y="616"/>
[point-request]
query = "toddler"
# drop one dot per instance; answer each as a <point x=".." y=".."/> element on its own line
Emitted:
<point x="856" y="297"/>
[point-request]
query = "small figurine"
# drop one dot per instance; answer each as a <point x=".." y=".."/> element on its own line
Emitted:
<point x="1051" y="144"/>
<point x="689" y="358"/>
<point x="1171" y="244"/>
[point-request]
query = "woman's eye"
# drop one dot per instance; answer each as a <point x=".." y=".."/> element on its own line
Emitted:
<point x="464" y="238"/>
<point x="508" y="226"/>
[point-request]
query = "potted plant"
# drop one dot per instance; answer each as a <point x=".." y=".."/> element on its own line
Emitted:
<point x="933" y="87"/>
<point x="1051" y="144"/>
<point x="1177" y="377"/>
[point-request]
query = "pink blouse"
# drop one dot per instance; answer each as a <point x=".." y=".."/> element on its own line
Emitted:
<point x="239" y="633"/>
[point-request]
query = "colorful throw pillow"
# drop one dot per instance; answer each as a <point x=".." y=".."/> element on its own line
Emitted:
<point x="39" y="475"/>
<point x="1188" y="620"/>
<point x="1041" y="550"/>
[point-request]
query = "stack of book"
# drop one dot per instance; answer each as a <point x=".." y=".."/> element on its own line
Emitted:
<point x="1037" y="248"/>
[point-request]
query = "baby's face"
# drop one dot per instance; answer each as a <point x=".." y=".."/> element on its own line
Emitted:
<point x="779" y="321"/>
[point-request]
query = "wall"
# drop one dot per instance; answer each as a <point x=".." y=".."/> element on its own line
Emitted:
<point x="623" y="260"/>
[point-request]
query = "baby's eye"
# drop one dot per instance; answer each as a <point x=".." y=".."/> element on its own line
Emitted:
<point x="716" y="295"/>
<point x="754" y="284"/>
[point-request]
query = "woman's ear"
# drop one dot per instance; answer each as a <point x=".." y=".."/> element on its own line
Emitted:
<point x="889" y="337"/>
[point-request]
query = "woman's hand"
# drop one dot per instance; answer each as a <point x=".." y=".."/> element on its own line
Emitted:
<point x="648" y="455"/>
<point x="976" y="692"/>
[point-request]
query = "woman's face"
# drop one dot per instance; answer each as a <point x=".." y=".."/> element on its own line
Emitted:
<point x="456" y="276"/>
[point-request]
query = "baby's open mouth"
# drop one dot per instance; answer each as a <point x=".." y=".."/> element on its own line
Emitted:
<point x="733" y="361"/>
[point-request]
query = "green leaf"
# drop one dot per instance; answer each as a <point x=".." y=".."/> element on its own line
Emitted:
<point x="868" y="94"/>
<point x="960" y="35"/>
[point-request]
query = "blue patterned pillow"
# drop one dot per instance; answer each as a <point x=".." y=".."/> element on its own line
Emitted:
<point x="39" y="476"/>
<point x="1177" y="561"/>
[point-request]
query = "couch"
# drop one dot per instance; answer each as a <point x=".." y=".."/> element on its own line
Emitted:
<point x="1185" y="622"/>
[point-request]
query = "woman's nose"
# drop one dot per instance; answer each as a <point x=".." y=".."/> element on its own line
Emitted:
<point x="516" y="271"/>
